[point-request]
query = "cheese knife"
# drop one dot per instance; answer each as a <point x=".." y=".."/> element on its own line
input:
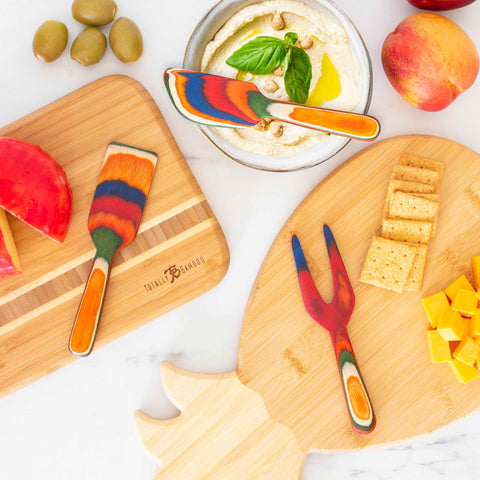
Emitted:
<point x="225" y="102"/>
<point x="113" y="222"/>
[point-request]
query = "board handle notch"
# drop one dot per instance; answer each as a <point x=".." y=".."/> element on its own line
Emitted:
<point x="223" y="432"/>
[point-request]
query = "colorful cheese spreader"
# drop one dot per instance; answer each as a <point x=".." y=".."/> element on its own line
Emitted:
<point x="225" y="102"/>
<point x="113" y="223"/>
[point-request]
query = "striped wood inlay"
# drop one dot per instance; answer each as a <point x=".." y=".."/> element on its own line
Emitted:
<point x="78" y="275"/>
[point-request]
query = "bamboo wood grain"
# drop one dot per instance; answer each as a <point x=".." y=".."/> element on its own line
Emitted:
<point x="178" y="229"/>
<point x="223" y="432"/>
<point x="290" y="362"/>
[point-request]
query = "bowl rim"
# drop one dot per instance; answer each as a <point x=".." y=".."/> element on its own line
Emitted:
<point x="339" y="13"/>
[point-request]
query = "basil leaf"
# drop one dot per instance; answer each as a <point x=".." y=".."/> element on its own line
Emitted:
<point x="297" y="74"/>
<point x="291" y="38"/>
<point x="259" y="56"/>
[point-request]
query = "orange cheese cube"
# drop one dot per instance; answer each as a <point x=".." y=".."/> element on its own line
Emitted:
<point x="465" y="302"/>
<point x="438" y="348"/>
<point x="467" y="351"/>
<point x="433" y="305"/>
<point x="460" y="282"/>
<point x="451" y="326"/>
<point x="475" y="329"/>
<point x="464" y="373"/>
<point x="471" y="328"/>
<point x="476" y="271"/>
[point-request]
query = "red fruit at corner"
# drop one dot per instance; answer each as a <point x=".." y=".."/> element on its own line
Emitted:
<point x="34" y="188"/>
<point x="439" y="5"/>
<point x="429" y="60"/>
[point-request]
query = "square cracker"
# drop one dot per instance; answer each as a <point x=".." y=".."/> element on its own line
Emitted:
<point x="420" y="162"/>
<point x="388" y="264"/>
<point x="413" y="231"/>
<point x="435" y="197"/>
<point x="413" y="207"/>
<point x="418" y="175"/>
<point x="408" y="187"/>
<point x="415" y="278"/>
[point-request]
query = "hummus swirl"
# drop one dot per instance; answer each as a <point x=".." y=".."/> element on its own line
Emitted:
<point x="335" y="70"/>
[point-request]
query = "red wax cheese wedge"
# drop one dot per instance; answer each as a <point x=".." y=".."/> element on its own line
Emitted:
<point x="34" y="188"/>
<point x="9" y="261"/>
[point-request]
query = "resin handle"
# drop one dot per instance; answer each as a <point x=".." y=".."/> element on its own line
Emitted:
<point x="88" y="315"/>
<point x="358" y="403"/>
<point x="347" y="124"/>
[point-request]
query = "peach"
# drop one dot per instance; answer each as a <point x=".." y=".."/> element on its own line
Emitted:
<point x="440" y="4"/>
<point x="429" y="60"/>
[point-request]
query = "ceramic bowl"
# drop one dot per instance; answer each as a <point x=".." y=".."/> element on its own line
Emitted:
<point x="206" y="30"/>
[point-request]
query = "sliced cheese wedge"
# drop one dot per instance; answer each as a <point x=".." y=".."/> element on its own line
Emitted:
<point x="9" y="260"/>
<point x="34" y="188"/>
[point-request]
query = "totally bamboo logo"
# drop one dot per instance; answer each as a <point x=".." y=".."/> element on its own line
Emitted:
<point x="173" y="272"/>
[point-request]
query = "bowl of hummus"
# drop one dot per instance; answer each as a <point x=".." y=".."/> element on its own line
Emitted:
<point x="340" y="74"/>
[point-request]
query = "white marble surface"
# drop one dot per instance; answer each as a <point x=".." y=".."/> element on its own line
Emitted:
<point x="77" y="423"/>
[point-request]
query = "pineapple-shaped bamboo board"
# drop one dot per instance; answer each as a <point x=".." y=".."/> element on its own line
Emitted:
<point x="287" y="360"/>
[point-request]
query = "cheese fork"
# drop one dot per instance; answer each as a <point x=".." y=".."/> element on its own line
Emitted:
<point x="334" y="318"/>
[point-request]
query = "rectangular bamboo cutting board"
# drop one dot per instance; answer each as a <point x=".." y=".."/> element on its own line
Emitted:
<point x="179" y="253"/>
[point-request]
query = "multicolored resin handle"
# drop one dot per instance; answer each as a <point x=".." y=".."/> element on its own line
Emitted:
<point x="113" y="222"/>
<point x="334" y="318"/>
<point x="88" y="315"/>
<point x="358" y="403"/>
<point x="224" y="102"/>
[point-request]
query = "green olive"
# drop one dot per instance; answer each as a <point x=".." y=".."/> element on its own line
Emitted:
<point x="126" y="40"/>
<point x="89" y="47"/>
<point x="94" y="12"/>
<point x="50" y="40"/>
